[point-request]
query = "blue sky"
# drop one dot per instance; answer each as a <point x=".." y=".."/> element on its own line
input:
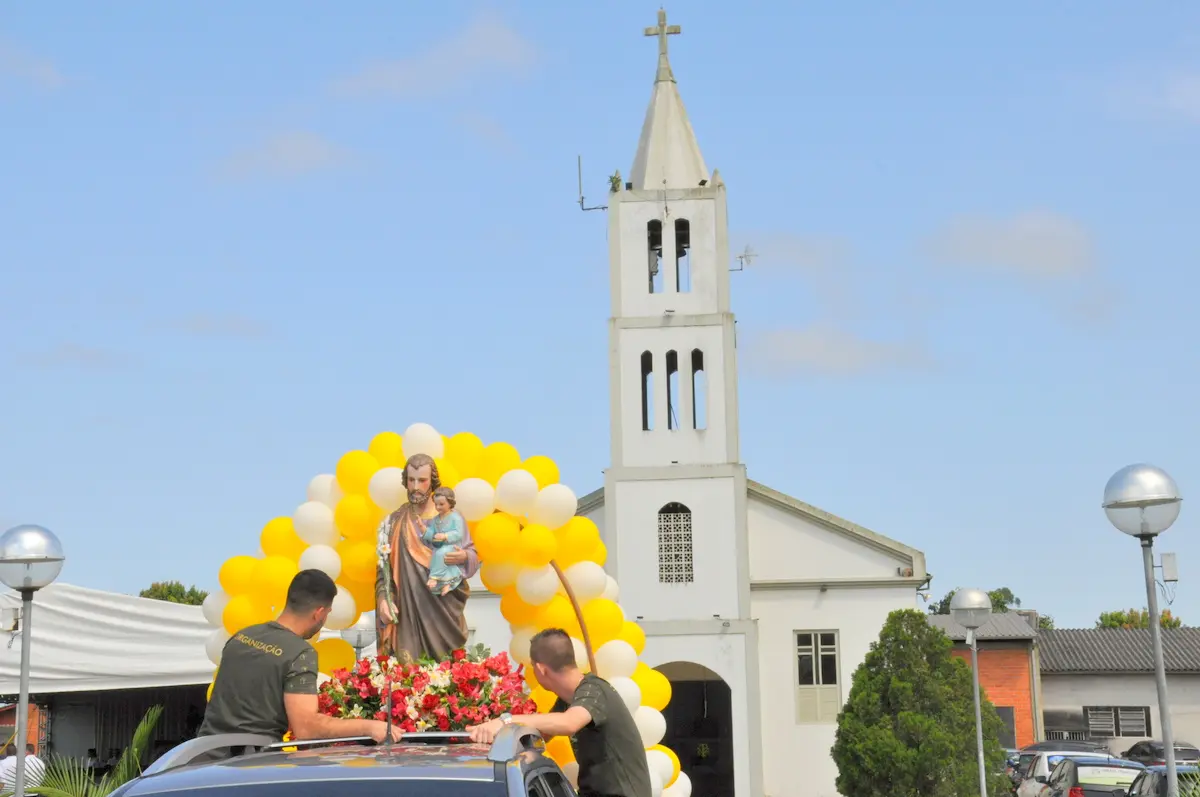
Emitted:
<point x="974" y="297"/>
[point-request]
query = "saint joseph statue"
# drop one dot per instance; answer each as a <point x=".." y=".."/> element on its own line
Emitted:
<point x="410" y="620"/>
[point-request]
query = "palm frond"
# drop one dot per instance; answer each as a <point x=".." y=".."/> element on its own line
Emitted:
<point x="130" y="764"/>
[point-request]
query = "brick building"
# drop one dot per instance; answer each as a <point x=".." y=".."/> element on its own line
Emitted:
<point x="1008" y="670"/>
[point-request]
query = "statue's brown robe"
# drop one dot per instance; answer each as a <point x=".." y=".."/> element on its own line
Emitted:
<point x="427" y="624"/>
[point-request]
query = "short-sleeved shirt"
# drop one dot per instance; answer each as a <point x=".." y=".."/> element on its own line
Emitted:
<point x="259" y="665"/>
<point x="609" y="749"/>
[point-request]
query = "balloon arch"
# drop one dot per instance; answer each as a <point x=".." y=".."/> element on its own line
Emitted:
<point x="545" y="562"/>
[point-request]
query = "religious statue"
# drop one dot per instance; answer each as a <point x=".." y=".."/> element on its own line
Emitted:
<point x="411" y="619"/>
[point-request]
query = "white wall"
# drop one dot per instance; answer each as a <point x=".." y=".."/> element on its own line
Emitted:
<point x="1073" y="692"/>
<point x="788" y="747"/>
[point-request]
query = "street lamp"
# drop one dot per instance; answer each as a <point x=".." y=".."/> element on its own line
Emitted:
<point x="972" y="608"/>
<point x="31" y="557"/>
<point x="1143" y="501"/>
<point x="361" y="634"/>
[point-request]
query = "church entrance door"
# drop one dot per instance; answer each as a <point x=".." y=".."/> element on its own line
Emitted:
<point x="700" y="726"/>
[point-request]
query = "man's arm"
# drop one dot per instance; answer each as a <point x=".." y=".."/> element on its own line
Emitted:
<point x="307" y="722"/>
<point x="564" y="723"/>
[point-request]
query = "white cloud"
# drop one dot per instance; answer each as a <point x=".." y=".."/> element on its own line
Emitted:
<point x="1037" y="245"/>
<point x="22" y="66"/>
<point x="489" y="130"/>
<point x="215" y="326"/>
<point x="487" y="46"/>
<point x="286" y="155"/>
<point x="828" y="350"/>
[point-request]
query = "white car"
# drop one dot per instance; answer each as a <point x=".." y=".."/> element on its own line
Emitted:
<point x="1034" y="782"/>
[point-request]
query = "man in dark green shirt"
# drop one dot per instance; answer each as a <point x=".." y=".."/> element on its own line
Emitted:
<point x="267" y="681"/>
<point x="606" y="741"/>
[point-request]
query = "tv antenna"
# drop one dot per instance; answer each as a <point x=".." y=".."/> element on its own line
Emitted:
<point x="582" y="203"/>
<point x="744" y="258"/>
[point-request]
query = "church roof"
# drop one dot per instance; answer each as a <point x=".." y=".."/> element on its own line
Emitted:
<point x="668" y="155"/>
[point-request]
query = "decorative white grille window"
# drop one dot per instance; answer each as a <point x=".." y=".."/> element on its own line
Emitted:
<point x="675" y="544"/>
<point x="1109" y="722"/>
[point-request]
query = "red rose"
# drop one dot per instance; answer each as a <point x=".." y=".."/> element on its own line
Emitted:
<point x="459" y="654"/>
<point x="443" y="723"/>
<point x="430" y="702"/>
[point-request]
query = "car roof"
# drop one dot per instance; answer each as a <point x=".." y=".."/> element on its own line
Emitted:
<point x="1107" y="761"/>
<point x="1050" y="744"/>
<point x="1178" y="768"/>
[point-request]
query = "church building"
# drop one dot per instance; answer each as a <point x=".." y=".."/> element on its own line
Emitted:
<point x="757" y="606"/>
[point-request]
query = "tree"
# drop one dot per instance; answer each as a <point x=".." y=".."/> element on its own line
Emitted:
<point x="174" y="592"/>
<point x="1003" y="600"/>
<point x="1133" y="618"/>
<point x="908" y="726"/>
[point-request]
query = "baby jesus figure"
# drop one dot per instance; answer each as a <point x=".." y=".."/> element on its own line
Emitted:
<point x="444" y="531"/>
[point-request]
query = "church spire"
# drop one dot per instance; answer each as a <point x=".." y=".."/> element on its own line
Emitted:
<point x="668" y="155"/>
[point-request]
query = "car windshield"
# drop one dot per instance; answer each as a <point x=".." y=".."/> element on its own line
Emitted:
<point x="391" y="787"/>
<point x="1106" y="775"/>
<point x="1187" y="754"/>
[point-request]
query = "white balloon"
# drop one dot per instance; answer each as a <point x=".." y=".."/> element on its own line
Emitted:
<point x="537" y="586"/>
<point x="554" y="505"/>
<point x="627" y="688"/>
<point x="421" y="438"/>
<point x="581" y="657"/>
<point x="661" y="763"/>
<point x="500" y="575"/>
<point x="344" y="611"/>
<point x="215" y="644"/>
<point x="571" y="770"/>
<point x="651" y="724"/>
<point x="474" y="498"/>
<point x="611" y="590"/>
<point x="616" y="659"/>
<point x="314" y="523"/>
<point x="587" y="580"/>
<point x="325" y="489"/>
<point x="656" y="784"/>
<point x="214" y="608"/>
<point x="516" y="491"/>
<point x="682" y="787"/>
<point x="387" y="489"/>
<point x="323" y="558"/>
<point x="519" y="647"/>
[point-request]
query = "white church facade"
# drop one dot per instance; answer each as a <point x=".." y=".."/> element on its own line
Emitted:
<point x="757" y="606"/>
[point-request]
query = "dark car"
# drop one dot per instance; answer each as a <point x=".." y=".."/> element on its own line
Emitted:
<point x="1152" y="753"/>
<point x="421" y="764"/>
<point x="1153" y="782"/>
<point x="1092" y="777"/>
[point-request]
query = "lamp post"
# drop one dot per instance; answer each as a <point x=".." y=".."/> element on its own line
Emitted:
<point x="971" y="608"/>
<point x="1143" y="501"/>
<point x="31" y="557"/>
<point x="361" y="634"/>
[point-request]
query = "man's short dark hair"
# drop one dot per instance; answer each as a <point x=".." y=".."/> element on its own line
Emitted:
<point x="310" y="590"/>
<point x="30" y="749"/>
<point x="554" y="649"/>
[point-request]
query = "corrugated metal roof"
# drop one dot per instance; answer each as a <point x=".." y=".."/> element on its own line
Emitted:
<point x="1007" y="625"/>
<point x="1117" y="650"/>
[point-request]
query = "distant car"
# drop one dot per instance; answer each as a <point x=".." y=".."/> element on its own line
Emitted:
<point x="1037" y="776"/>
<point x="422" y="764"/>
<point x="1151" y="753"/>
<point x="1096" y="776"/>
<point x="1153" y="782"/>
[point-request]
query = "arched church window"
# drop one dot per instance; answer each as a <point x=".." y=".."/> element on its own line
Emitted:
<point x="672" y="390"/>
<point x="675" y="544"/>
<point x="699" y="391"/>
<point x="647" y="391"/>
<point x="654" y="252"/>
<point x="683" y="263"/>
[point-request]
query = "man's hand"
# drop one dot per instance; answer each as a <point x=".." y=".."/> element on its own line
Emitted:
<point x="379" y="731"/>
<point x="485" y="733"/>
<point x="385" y="611"/>
<point x="456" y="557"/>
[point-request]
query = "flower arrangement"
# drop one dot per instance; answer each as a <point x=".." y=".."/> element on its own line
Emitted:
<point x="466" y="688"/>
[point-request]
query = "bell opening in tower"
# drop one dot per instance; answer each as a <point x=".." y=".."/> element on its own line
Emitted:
<point x="647" y="392"/>
<point x="699" y="391"/>
<point x="683" y="263"/>
<point x="654" y="252"/>
<point x="672" y="390"/>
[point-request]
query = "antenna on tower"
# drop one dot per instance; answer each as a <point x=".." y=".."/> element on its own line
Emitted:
<point x="582" y="202"/>
<point x="744" y="258"/>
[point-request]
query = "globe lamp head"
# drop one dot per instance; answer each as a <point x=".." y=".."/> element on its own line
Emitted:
<point x="971" y="608"/>
<point x="31" y="557"/>
<point x="1141" y="500"/>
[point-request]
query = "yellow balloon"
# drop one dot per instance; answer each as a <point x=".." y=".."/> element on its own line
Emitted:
<point x="354" y="471"/>
<point x="536" y="546"/>
<point x="279" y="538"/>
<point x="544" y="699"/>
<point x="559" y="613"/>
<point x="358" y="560"/>
<point x="388" y="450"/>
<point x="237" y="575"/>
<point x="447" y="473"/>
<point x="363" y="593"/>
<point x="465" y="451"/>
<point x="496" y="537"/>
<point x="515" y="610"/>
<point x="632" y="633"/>
<point x="334" y="654"/>
<point x="669" y="753"/>
<point x="208" y="696"/>
<point x="498" y="459"/>
<point x="604" y="620"/>
<point x="656" y="689"/>
<point x="272" y="577"/>
<point x="543" y="469"/>
<point x="559" y="749"/>
<point x="243" y="611"/>
<point x="577" y="539"/>
<point x="599" y="554"/>
<point x="531" y="678"/>
<point x="357" y="516"/>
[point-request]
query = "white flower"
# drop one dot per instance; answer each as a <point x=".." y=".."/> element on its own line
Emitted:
<point x="356" y="711"/>
<point x="439" y="678"/>
<point x="422" y="725"/>
<point x="385" y="549"/>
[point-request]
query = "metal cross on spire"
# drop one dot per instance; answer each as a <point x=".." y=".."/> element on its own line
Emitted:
<point x="662" y="30"/>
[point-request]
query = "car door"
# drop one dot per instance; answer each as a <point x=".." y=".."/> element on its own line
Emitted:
<point x="1061" y="779"/>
